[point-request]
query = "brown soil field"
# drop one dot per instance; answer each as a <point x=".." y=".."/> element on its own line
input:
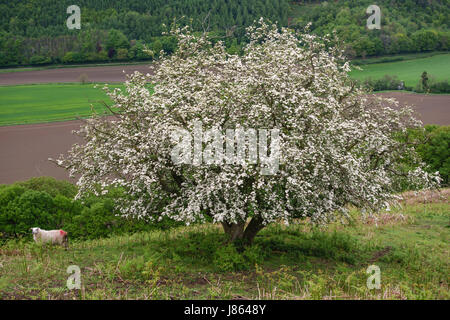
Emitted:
<point x="431" y="109"/>
<point x="95" y="74"/>
<point x="25" y="149"/>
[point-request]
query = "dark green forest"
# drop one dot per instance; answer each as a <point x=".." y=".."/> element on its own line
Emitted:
<point x="34" y="32"/>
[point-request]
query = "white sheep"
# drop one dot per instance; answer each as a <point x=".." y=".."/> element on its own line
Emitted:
<point x="50" y="236"/>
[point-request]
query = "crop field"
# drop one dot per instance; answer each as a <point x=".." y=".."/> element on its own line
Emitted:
<point x="409" y="71"/>
<point x="25" y="104"/>
<point x="40" y="103"/>
<point x="409" y="244"/>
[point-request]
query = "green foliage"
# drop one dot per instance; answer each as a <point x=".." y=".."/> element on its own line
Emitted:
<point x="112" y="25"/>
<point x="435" y="152"/>
<point x="385" y="83"/>
<point x="29" y="209"/>
<point x="439" y="87"/>
<point x="50" y="185"/>
<point x="73" y="57"/>
<point x="228" y="258"/>
<point x="116" y="40"/>
<point x="29" y="37"/>
<point x="48" y="203"/>
<point x="140" y="52"/>
<point x="428" y="84"/>
<point x="433" y="147"/>
<point x="38" y="59"/>
<point x="406" y="26"/>
<point x="425" y="40"/>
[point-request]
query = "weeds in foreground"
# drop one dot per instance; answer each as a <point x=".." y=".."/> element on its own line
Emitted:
<point x="409" y="244"/>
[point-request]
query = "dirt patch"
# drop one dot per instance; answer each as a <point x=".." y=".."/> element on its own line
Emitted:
<point x="380" y="253"/>
<point x="431" y="109"/>
<point x="93" y="74"/>
<point x="25" y="150"/>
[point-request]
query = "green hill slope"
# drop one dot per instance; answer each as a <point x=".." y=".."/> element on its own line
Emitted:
<point x="409" y="246"/>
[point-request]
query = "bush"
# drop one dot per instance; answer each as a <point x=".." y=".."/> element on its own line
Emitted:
<point x="122" y="54"/>
<point x="440" y="87"/>
<point x="72" y="57"/>
<point x="30" y="208"/>
<point x="97" y="56"/>
<point x="50" y="185"/>
<point x="435" y="152"/>
<point x="386" y="83"/>
<point x="140" y="52"/>
<point x="48" y="203"/>
<point x="433" y="147"/>
<point x="35" y="60"/>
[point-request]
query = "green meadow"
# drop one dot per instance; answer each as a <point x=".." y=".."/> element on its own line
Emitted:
<point x="23" y="104"/>
<point x="409" y="71"/>
<point x="408" y="244"/>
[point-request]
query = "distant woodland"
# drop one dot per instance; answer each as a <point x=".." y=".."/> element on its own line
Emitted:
<point x="34" y="32"/>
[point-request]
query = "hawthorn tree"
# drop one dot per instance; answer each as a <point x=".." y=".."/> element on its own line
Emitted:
<point x="337" y="144"/>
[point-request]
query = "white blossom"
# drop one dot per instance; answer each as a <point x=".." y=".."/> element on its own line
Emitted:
<point x="337" y="143"/>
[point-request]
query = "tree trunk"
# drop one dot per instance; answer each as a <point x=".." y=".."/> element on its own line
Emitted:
<point x="234" y="230"/>
<point x="237" y="231"/>
<point x="255" y="225"/>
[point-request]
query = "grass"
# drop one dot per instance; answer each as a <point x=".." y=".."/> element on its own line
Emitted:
<point x="408" y="71"/>
<point x="59" y="66"/>
<point x="24" y="104"/>
<point x="409" y="244"/>
<point x="396" y="57"/>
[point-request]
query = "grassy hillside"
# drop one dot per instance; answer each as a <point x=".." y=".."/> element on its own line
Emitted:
<point x="408" y="71"/>
<point x="410" y="245"/>
<point x="48" y="102"/>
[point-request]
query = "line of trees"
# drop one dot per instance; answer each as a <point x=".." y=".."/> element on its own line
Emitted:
<point x="35" y="32"/>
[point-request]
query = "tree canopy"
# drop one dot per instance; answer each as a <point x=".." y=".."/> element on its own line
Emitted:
<point x="334" y="145"/>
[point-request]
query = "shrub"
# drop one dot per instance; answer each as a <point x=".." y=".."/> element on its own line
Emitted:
<point x="435" y="151"/>
<point x="50" y="185"/>
<point x="31" y="208"/>
<point x="40" y="60"/>
<point x="227" y="258"/>
<point x="439" y="87"/>
<point x="122" y="54"/>
<point x="48" y="203"/>
<point x="72" y="57"/>
<point x="386" y="83"/>
<point x="432" y="146"/>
